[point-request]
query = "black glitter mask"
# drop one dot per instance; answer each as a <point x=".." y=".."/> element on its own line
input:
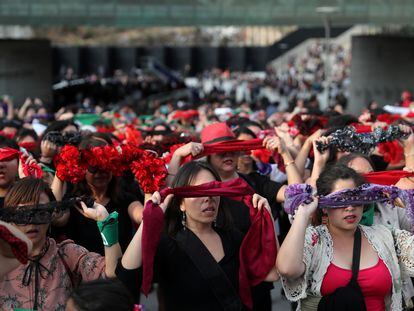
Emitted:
<point x="40" y="213"/>
<point x="347" y="139"/>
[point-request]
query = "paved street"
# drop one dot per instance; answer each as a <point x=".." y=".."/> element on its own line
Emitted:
<point x="279" y="303"/>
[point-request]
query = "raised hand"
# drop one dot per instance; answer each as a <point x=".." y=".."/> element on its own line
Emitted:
<point x="308" y="208"/>
<point x="48" y="149"/>
<point x="260" y="202"/>
<point x="321" y="157"/>
<point x="156" y="198"/>
<point x="98" y="212"/>
<point x="191" y="148"/>
<point x="274" y="144"/>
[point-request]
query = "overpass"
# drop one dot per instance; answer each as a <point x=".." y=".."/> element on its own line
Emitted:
<point x="134" y="13"/>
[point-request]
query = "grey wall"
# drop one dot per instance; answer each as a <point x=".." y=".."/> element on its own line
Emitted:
<point x="85" y="60"/>
<point x="26" y="69"/>
<point x="382" y="67"/>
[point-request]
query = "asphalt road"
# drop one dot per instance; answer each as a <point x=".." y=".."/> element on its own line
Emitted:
<point x="279" y="302"/>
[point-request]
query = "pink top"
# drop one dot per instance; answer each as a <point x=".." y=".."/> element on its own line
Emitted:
<point x="54" y="282"/>
<point x="375" y="283"/>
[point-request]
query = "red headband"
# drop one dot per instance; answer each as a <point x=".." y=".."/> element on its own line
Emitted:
<point x="387" y="178"/>
<point x="232" y="146"/>
<point x="32" y="169"/>
<point x="257" y="251"/>
<point x="7" y="154"/>
<point x="28" y="145"/>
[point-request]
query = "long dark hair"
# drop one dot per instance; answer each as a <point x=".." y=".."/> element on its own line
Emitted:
<point x="83" y="188"/>
<point x="102" y="295"/>
<point x="185" y="177"/>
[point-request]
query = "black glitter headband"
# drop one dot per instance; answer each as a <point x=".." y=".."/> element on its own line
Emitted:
<point x="347" y="139"/>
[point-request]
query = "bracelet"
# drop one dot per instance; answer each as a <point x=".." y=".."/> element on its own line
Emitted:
<point x="109" y="229"/>
<point x="46" y="160"/>
<point x="289" y="163"/>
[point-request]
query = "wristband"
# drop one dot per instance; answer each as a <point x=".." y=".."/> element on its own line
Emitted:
<point x="109" y="229"/>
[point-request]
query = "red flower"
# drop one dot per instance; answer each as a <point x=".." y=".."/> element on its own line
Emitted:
<point x="69" y="166"/>
<point x="132" y="135"/>
<point x="392" y="151"/>
<point x="173" y="148"/>
<point x="32" y="169"/>
<point x="106" y="158"/>
<point x="263" y="155"/>
<point x="315" y="239"/>
<point x="150" y="171"/>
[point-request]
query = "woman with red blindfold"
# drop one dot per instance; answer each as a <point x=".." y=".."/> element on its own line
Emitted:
<point x="197" y="259"/>
<point x="28" y="140"/>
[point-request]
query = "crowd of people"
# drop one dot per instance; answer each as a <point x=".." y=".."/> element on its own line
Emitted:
<point x="213" y="200"/>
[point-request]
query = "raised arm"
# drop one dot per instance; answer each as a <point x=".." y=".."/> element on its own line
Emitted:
<point x="135" y="210"/>
<point x="303" y="154"/>
<point x="132" y="258"/>
<point x="108" y="226"/>
<point x="277" y="144"/>
<point x="290" y="256"/>
<point x="10" y="107"/>
<point x="320" y="159"/>
<point x="191" y="148"/>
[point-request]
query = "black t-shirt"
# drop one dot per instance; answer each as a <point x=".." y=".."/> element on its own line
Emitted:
<point x="1" y="202"/>
<point x="84" y="231"/>
<point x="182" y="284"/>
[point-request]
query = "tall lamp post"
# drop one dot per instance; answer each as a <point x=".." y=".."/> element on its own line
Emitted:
<point x="326" y="12"/>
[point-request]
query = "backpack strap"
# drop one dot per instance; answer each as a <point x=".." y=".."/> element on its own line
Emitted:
<point x="356" y="255"/>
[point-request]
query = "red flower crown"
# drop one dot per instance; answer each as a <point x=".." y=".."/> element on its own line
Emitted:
<point x="150" y="171"/>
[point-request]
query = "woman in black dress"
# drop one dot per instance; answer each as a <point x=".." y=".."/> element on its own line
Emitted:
<point x="105" y="190"/>
<point x="197" y="259"/>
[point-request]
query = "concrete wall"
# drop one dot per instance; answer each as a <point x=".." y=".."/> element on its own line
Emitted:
<point x="382" y="67"/>
<point x="85" y="60"/>
<point x="26" y="69"/>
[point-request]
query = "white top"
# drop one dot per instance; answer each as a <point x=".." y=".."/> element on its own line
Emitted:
<point x="393" y="246"/>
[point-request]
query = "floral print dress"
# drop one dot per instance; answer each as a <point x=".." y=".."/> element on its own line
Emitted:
<point x="46" y="281"/>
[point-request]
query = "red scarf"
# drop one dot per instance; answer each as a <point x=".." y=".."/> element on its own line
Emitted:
<point x="18" y="247"/>
<point x="29" y="145"/>
<point x="387" y="178"/>
<point x="257" y="251"/>
<point x="240" y="145"/>
<point x="231" y="146"/>
<point x="7" y="154"/>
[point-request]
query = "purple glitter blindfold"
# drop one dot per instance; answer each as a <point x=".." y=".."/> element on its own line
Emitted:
<point x="297" y="194"/>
